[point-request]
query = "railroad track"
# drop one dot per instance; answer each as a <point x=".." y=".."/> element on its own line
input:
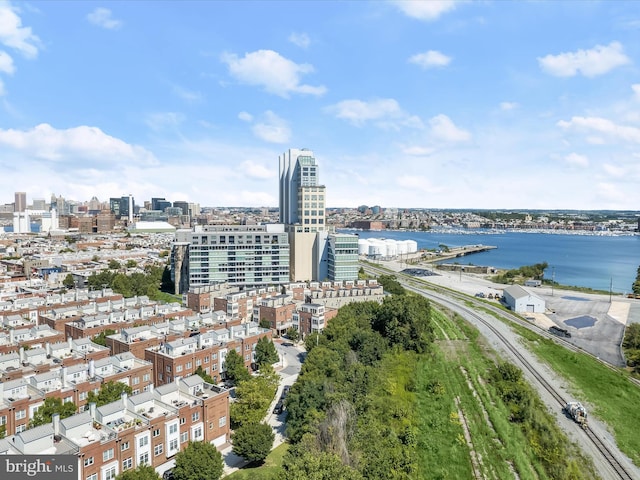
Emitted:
<point x="608" y="455"/>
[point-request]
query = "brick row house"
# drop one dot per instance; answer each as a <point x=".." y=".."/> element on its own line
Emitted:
<point x="149" y="428"/>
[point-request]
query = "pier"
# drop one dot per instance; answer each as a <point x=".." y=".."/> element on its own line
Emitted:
<point x="456" y="252"/>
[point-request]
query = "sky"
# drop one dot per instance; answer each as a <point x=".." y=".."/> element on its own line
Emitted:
<point x="408" y="104"/>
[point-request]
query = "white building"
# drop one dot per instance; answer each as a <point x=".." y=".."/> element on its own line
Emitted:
<point x="520" y="300"/>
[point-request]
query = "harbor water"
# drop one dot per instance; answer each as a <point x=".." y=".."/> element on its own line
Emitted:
<point x="598" y="261"/>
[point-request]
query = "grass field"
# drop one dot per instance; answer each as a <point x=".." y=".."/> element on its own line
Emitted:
<point x="609" y="393"/>
<point x="266" y="471"/>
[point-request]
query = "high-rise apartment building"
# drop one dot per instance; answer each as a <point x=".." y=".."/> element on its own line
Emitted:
<point x="302" y="198"/>
<point x="242" y="255"/>
<point x="20" y="204"/>
<point x="317" y="253"/>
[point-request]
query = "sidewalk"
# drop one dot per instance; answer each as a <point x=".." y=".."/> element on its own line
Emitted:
<point x="233" y="462"/>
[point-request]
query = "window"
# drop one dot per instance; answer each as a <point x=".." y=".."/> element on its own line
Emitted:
<point x="124" y="446"/>
<point x="143" y="458"/>
<point x="178" y="368"/>
<point x="182" y="420"/>
<point x="136" y="380"/>
<point x="127" y="463"/>
<point x="82" y="396"/>
<point x="158" y="449"/>
<point x="168" y="368"/>
<point x="142" y="441"/>
<point x="222" y="421"/>
<point x="173" y="428"/>
<point x="20" y="414"/>
<point x="110" y="473"/>
<point x="189" y="365"/>
<point x="198" y="362"/>
<point x="156" y="432"/>
<point x="184" y="437"/>
<point x="195" y="416"/>
<point x="214" y="366"/>
<point x="173" y="444"/>
<point x="206" y="359"/>
<point x="93" y="476"/>
<point x="107" y="455"/>
<point x="197" y="433"/>
<point x="135" y="392"/>
<point x="3" y="420"/>
<point x="21" y="428"/>
<point x="145" y="377"/>
<point x="88" y="461"/>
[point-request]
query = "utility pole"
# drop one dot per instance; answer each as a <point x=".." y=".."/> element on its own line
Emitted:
<point x="610" y="287"/>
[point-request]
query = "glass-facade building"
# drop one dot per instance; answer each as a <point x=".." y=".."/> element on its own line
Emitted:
<point x="241" y="255"/>
<point x="342" y="257"/>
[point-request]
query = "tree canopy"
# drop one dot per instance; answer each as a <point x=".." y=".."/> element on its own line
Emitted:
<point x="50" y="406"/>
<point x="198" y="461"/>
<point x="109" y="392"/>
<point x="253" y="441"/>
<point x="142" y="472"/>
<point x="235" y="369"/>
<point x="266" y="353"/>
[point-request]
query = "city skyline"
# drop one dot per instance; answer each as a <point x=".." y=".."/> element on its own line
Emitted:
<point x="493" y="105"/>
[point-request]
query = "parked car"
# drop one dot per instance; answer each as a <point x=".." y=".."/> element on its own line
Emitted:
<point x="168" y="475"/>
<point x="480" y="295"/>
<point x="279" y="407"/>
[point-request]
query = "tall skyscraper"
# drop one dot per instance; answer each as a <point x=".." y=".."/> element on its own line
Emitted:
<point x="20" y="202"/>
<point x="302" y="198"/>
<point x="316" y="252"/>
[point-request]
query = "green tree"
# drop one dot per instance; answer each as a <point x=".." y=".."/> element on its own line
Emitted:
<point x="390" y="284"/>
<point x="253" y="397"/>
<point x="131" y="264"/>
<point x="266" y="353"/>
<point x="100" y="339"/>
<point x="114" y="264"/>
<point x="198" y="461"/>
<point x="142" y="472"/>
<point x="264" y="323"/>
<point x="293" y="334"/>
<point x="636" y="285"/>
<point x="405" y="321"/>
<point x="236" y="371"/>
<point x="253" y="442"/>
<point x="68" y="281"/>
<point x="110" y="392"/>
<point x="305" y="461"/>
<point x="204" y="375"/>
<point x="50" y="406"/>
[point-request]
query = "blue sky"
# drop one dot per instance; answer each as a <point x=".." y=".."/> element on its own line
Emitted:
<point x="433" y="104"/>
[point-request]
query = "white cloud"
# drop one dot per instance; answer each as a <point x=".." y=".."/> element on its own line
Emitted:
<point x="256" y="170"/>
<point x="14" y="35"/>
<point x="269" y="69"/>
<point x="425" y="9"/>
<point x="6" y="63"/>
<point x="245" y="116"/>
<point x="603" y="126"/>
<point x="73" y="144"/>
<point x="430" y="59"/>
<point x="272" y="129"/>
<point x="417" y="182"/>
<point x="506" y="106"/>
<point x="636" y="90"/>
<point x="302" y="40"/>
<point x="614" y="170"/>
<point x="443" y="128"/>
<point x="590" y="63"/>
<point x="417" y="151"/>
<point x="162" y="120"/>
<point x="187" y="95"/>
<point x="102" y="18"/>
<point x="358" y="112"/>
<point x="576" y="160"/>
<point x="2" y="89"/>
